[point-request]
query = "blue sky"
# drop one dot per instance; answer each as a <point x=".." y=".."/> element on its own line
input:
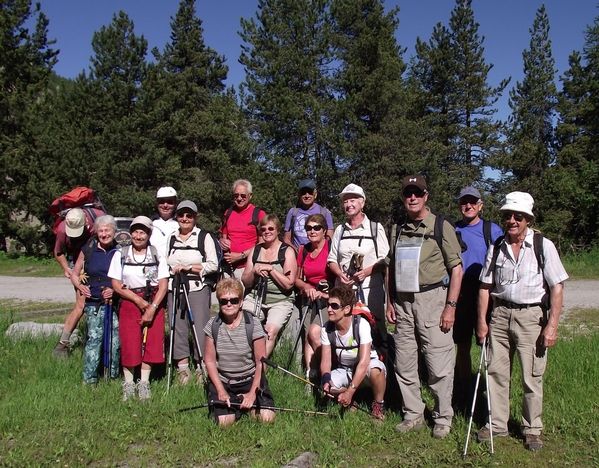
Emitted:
<point x="505" y="25"/>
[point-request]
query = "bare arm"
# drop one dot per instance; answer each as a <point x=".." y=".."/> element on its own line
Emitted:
<point x="448" y="314"/>
<point x="484" y="296"/>
<point x="550" y="330"/>
<point x="249" y="398"/>
<point x="346" y="397"/>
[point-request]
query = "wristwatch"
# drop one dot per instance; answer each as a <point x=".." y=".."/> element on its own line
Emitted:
<point x="352" y="386"/>
<point x="451" y="303"/>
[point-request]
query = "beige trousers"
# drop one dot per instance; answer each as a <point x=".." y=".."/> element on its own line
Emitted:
<point x="417" y="329"/>
<point x="516" y="330"/>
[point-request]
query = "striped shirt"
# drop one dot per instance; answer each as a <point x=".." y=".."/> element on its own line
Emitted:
<point x="519" y="280"/>
<point x="234" y="357"/>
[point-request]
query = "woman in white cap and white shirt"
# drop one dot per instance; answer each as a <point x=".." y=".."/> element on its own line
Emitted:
<point x="140" y="277"/>
<point x="194" y="262"/>
<point x="164" y="224"/>
<point x="519" y="276"/>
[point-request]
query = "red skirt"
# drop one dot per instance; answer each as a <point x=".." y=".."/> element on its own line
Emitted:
<point x="131" y="335"/>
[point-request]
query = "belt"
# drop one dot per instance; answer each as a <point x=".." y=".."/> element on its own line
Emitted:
<point x="430" y="287"/>
<point x="143" y="289"/>
<point x="513" y="305"/>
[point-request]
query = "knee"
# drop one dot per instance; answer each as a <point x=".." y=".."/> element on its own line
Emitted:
<point x="226" y="420"/>
<point x="266" y="416"/>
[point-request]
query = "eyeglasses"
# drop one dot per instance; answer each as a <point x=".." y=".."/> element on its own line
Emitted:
<point x="229" y="300"/>
<point x="407" y="193"/>
<point x="186" y="215"/>
<point x="316" y="227"/>
<point x="242" y="196"/>
<point x="507" y="215"/>
<point x="166" y="201"/>
<point x="267" y="228"/>
<point x="334" y="305"/>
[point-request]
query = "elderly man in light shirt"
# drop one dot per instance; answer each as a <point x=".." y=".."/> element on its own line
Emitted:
<point x="524" y="276"/>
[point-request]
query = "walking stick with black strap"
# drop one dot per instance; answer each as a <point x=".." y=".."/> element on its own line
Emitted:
<point x="107" y="339"/>
<point x="260" y="293"/>
<point x="314" y="306"/>
<point x="185" y="288"/>
<point x="175" y="286"/>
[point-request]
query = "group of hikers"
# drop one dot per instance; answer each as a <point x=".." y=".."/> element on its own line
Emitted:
<point x="437" y="283"/>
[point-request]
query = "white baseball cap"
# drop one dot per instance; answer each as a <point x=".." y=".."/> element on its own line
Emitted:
<point x="353" y="189"/>
<point x="519" y="201"/>
<point x="74" y="222"/>
<point x="166" y="192"/>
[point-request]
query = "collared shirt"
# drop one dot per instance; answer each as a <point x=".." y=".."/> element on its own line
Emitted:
<point x="519" y="280"/>
<point x="434" y="263"/>
<point x="342" y="249"/>
<point x="161" y="232"/>
<point x="186" y="252"/>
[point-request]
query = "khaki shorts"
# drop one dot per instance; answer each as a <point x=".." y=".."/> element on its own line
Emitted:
<point x="276" y="314"/>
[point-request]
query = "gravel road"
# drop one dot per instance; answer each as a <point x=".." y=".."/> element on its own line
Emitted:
<point x="578" y="294"/>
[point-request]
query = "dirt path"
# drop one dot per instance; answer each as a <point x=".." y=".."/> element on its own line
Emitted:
<point x="578" y="294"/>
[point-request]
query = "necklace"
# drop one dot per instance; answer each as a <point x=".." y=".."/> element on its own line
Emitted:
<point x="144" y="259"/>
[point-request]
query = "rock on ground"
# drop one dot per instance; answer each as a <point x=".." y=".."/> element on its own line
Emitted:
<point x="21" y="330"/>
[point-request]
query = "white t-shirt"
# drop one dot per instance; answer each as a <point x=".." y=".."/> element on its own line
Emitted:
<point x="161" y="232"/>
<point x="349" y="357"/>
<point x="135" y="276"/>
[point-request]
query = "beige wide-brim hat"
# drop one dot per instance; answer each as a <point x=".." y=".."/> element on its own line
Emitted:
<point x="141" y="221"/>
<point x="519" y="201"/>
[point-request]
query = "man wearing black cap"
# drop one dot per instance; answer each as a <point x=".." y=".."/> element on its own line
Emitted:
<point x="426" y="280"/>
<point x="477" y="234"/>
<point x="295" y="234"/>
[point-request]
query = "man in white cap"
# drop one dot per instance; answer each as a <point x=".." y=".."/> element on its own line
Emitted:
<point x="426" y="283"/>
<point x="477" y="234"/>
<point x="357" y="257"/>
<point x="164" y="224"/>
<point x="524" y="277"/>
<point x="71" y="235"/>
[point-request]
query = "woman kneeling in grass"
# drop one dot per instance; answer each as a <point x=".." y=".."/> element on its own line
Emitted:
<point x="348" y="359"/>
<point x="234" y="347"/>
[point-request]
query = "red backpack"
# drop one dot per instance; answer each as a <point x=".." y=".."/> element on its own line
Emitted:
<point x="79" y="197"/>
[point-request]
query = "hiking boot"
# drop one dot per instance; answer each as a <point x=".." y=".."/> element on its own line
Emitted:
<point x="484" y="434"/>
<point x="533" y="442"/>
<point x="408" y="425"/>
<point x="378" y="410"/>
<point x="440" y="431"/>
<point x="128" y="391"/>
<point x="61" y="350"/>
<point x="143" y="390"/>
<point x="183" y="376"/>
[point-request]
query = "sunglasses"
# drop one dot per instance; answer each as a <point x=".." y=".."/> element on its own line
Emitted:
<point x="166" y="201"/>
<point x="267" y="228"/>
<point x="305" y="191"/>
<point x="242" y="196"/>
<point x="334" y="305"/>
<point x="316" y="227"/>
<point x="407" y="193"/>
<point x="186" y="215"/>
<point x="507" y="215"/>
<point x="229" y="300"/>
<point x="471" y="201"/>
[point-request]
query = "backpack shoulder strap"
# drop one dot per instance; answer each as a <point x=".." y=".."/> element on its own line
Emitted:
<point x="438" y="230"/>
<point x="171" y="243"/>
<point x="255" y="216"/>
<point x="282" y="251"/>
<point x="202" y="243"/>
<point x="256" y="253"/>
<point x="124" y="252"/>
<point x="292" y="221"/>
<point x="216" y="323"/>
<point x="487" y="232"/>
<point x="374" y="233"/>
<point x="249" y="328"/>
<point x="330" y="329"/>
<point x="356" y="329"/>
<point x="154" y="253"/>
<point x="537" y="245"/>
<point x="496" y="248"/>
<point x="226" y="216"/>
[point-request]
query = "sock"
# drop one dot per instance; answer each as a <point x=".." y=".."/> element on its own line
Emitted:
<point x="128" y="373"/>
<point x="65" y="337"/>
<point x="145" y="375"/>
<point x="183" y="367"/>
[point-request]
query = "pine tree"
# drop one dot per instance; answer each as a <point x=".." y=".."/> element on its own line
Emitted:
<point x="26" y="59"/>
<point x="371" y="100"/>
<point x="456" y="104"/>
<point x="198" y="124"/>
<point x="288" y="98"/>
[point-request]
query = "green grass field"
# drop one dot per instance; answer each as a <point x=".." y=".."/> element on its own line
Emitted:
<point x="47" y="417"/>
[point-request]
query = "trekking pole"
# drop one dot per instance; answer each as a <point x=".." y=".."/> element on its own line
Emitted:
<point x="260" y="290"/>
<point x="174" y="306"/>
<point x="272" y="408"/>
<point x="107" y="339"/>
<point x="299" y="331"/>
<point x="268" y="362"/>
<point x="184" y="287"/>
<point x="144" y="341"/>
<point x="486" y="359"/>
<point x="480" y="365"/>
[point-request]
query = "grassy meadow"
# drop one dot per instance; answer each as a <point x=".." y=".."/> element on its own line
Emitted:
<point x="48" y="417"/>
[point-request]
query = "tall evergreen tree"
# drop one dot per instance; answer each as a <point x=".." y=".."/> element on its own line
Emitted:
<point x="456" y="104"/>
<point x="577" y="169"/>
<point x="198" y="123"/>
<point x="372" y="100"/>
<point x="531" y="138"/>
<point x="288" y="96"/>
<point x="26" y="59"/>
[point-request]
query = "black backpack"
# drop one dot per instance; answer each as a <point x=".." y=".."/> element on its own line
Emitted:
<point x="254" y="222"/>
<point x="372" y="237"/>
<point x="211" y="278"/>
<point x="249" y="328"/>
<point x="355" y="327"/>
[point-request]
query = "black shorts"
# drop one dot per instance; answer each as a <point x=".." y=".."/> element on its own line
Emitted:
<point x="466" y="311"/>
<point x="263" y="397"/>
